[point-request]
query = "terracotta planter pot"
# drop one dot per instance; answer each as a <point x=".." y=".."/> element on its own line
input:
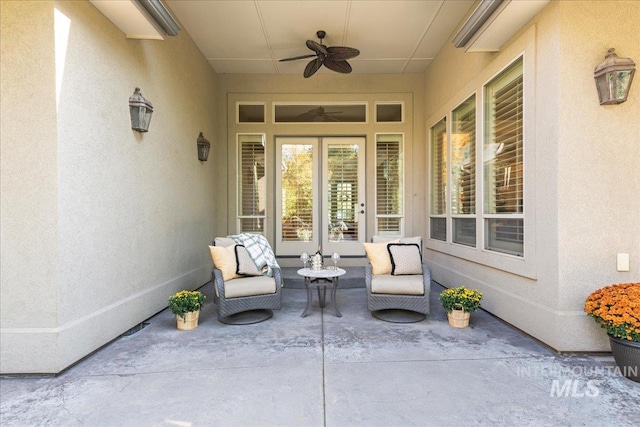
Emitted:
<point x="459" y="318"/>
<point x="627" y="356"/>
<point x="189" y="321"/>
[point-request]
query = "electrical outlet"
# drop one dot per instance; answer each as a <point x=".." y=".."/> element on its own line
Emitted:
<point x="623" y="262"/>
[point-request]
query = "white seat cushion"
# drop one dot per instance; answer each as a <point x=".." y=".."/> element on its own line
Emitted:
<point x="398" y="285"/>
<point x="249" y="286"/>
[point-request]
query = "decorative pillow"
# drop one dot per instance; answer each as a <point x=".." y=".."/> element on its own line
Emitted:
<point x="417" y="240"/>
<point x="244" y="264"/>
<point x="224" y="259"/>
<point x="378" y="257"/>
<point x="405" y="258"/>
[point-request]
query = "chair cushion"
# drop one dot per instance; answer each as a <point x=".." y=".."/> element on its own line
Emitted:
<point x="405" y="258"/>
<point x="224" y="259"/>
<point x="245" y="266"/>
<point x="398" y="285"/>
<point x="249" y="286"/>
<point x="379" y="258"/>
<point x="224" y="241"/>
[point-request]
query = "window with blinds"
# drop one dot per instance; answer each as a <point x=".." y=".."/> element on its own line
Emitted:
<point x="463" y="172"/>
<point x="438" y="220"/>
<point x="343" y="192"/>
<point x="251" y="183"/>
<point x="504" y="162"/>
<point x="389" y="185"/>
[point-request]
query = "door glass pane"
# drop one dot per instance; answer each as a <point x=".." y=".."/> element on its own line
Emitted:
<point x="297" y="192"/>
<point x="343" y="192"/>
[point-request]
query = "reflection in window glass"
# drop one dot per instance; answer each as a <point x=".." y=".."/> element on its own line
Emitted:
<point x="320" y="113"/>
<point x="297" y="192"/>
<point x="504" y="162"/>
<point x="439" y="180"/>
<point x="388" y="113"/>
<point x="463" y="172"/>
<point x="251" y="113"/>
<point x="252" y="186"/>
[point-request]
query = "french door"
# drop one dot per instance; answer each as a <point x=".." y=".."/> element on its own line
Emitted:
<point x="320" y="186"/>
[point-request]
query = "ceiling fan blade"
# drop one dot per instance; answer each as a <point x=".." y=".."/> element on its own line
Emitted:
<point x="316" y="47"/>
<point x="337" y="66"/>
<point x="312" y="67"/>
<point x="342" y="53"/>
<point x="311" y="55"/>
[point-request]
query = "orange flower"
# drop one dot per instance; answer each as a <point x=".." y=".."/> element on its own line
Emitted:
<point x="617" y="309"/>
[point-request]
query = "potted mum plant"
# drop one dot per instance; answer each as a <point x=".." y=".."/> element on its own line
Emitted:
<point x="186" y="306"/>
<point x="460" y="302"/>
<point x="616" y="308"/>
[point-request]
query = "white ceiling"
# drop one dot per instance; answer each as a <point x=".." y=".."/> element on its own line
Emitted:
<point x="250" y="36"/>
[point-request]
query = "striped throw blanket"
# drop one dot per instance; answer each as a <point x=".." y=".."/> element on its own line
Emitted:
<point x="259" y="250"/>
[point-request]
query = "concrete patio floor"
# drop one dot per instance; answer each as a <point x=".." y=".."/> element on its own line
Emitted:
<point x="326" y="371"/>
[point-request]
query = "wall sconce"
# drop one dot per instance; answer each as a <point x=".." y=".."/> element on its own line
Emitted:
<point x="141" y="110"/>
<point x="613" y="78"/>
<point x="203" y="148"/>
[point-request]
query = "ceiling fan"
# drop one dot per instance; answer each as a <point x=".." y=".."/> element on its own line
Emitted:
<point x="332" y="57"/>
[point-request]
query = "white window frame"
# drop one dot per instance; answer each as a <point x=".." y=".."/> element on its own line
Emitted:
<point x="400" y="215"/>
<point x="520" y="265"/>
<point x="239" y="216"/>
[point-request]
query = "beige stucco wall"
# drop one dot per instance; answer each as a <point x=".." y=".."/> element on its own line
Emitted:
<point x="100" y="224"/>
<point x="583" y="171"/>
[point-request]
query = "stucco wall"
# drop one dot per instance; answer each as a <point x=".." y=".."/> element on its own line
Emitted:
<point x="113" y="221"/>
<point x="28" y="159"/>
<point x="582" y="168"/>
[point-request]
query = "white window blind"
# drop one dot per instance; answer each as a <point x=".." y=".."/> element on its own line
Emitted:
<point x="438" y="221"/>
<point x="504" y="162"/>
<point x="463" y="172"/>
<point x="251" y="183"/>
<point x="343" y="192"/>
<point x="389" y="184"/>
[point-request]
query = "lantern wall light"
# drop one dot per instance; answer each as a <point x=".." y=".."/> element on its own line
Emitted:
<point x="613" y="78"/>
<point x="141" y="110"/>
<point x="203" y="148"/>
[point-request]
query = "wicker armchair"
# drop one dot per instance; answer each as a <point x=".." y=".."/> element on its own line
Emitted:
<point x="247" y="299"/>
<point x="398" y="298"/>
